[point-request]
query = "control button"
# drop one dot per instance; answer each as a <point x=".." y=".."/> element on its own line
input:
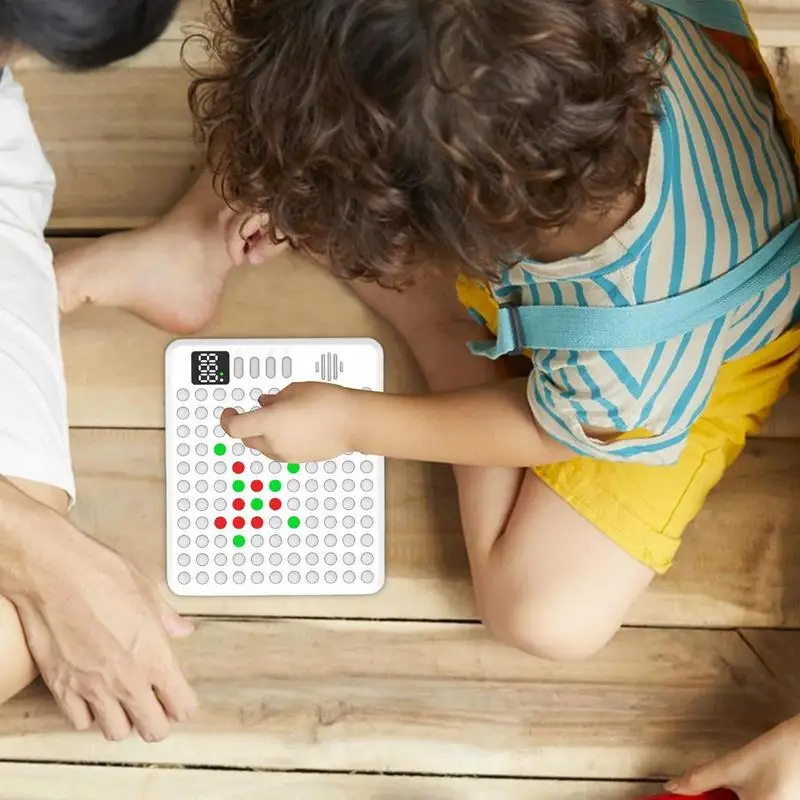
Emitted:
<point x="348" y="522"/>
<point x="184" y="578"/>
<point x="275" y="540"/>
<point x="366" y="485"/>
<point x="257" y="577"/>
<point x="202" y="523"/>
<point x="220" y="523"/>
<point x="330" y="559"/>
<point x="183" y="395"/>
<point x="219" y="394"/>
<point x="201" y="504"/>
<point x="312" y="540"/>
<point x="220" y="578"/>
<point x="238" y="449"/>
<point x="218" y="412"/>
<point x="201" y="395"/>
<point x="238" y="577"/>
<point x="294" y="577"/>
<point x="201" y="412"/>
<point x="330" y="505"/>
<point x="367" y="540"/>
<point x="183" y="431"/>
<point x="349" y="559"/>
<point x="201" y="431"/>
<point x="238" y="367"/>
<point x="274" y="485"/>
<point x="273" y="390"/>
<point x="255" y="394"/>
<point x="257" y="559"/>
<point x="183" y="449"/>
<point x="201" y="468"/>
<point x="348" y="485"/>
<point x="366" y="503"/>
<point x="220" y="540"/>
<point x="219" y="431"/>
<point x="275" y="504"/>
<point x="183" y="504"/>
<point x="183" y="523"/>
<point x="220" y="504"/>
<point x="257" y="522"/>
<point x="201" y="541"/>
<point x="275" y="559"/>
<point x="312" y="467"/>
<point x="330" y="540"/>
<point x="366" y="467"/>
<point x="329" y="485"/>
<point x="329" y="467"/>
<point x="257" y="486"/>
<point x="238" y="504"/>
<point x="312" y="559"/>
<point x="219" y="467"/>
<point x="293" y="540"/>
<point x="275" y="577"/>
<point x="237" y="394"/>
<point x="293" y="559"/>
<point x="202" y="578"/>
<point x="312" y="504"/>
<point x="183" y="486"/>
<point x="238" y="486"/>
<point x="348" y="540"/>
<point x="312" y="522"/>
<point x="183" y="413"/>
<point x="275" y="522"/>
<point x="330" y="577"/>
<point x="220" y="559"/>
<point x="349" y="576"/>
<point x="293" y="468"/>
<point x="312" y="485"/>
<point x="201" y="486"/>
<point x="202" y="560"/>
<point x="220" y="449"/>
<point x="312" y="576"/>
<point x="239" y="540"/>
<point x="238" y="523"/>
<point x="238" y="559"/>
<point x="270" y="367"/>
<point x="348" y="467"/>
<point x="366" y="521"/>
<point x="220" y="486"/>
<point x="256" y="468"/>
<point x="348" y="504"/>
<point x="286" y="367"/>
<point x="257" y="540"/>
<point x="293" y="504"/>
<point x="184" y="541"/>
<point x="367" y="559"/>
<point x="254" y="367"/>
<point x="238" y="467"/>
<point x="367" y="576"/>
<point x="275" y="467"/>
<point x="293" y="485"/>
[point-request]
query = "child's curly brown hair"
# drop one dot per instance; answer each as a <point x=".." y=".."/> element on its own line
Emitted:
<point x="382" y="134"/>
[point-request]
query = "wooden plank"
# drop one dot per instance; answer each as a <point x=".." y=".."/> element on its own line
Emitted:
<point x="780" y="652"/>
<point x="436" y="699"/>
<point x="740" y="564"/>
<point x="62" y="782"/>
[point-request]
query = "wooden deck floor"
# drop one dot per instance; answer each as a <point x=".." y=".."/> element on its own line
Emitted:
<point x="401" y="695"/>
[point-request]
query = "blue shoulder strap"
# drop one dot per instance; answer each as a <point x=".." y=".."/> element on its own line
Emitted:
<point x="521" y="328"/>
<point x="582" y="328"/>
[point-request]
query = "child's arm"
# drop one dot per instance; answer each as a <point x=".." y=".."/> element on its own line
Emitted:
<point x="489" y="425"/>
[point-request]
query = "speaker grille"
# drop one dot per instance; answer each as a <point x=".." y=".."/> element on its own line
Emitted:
<point x="329" y="367"/>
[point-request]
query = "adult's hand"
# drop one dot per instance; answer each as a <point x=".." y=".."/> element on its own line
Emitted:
<point x="766" y="769"/>
<point x="96" y="627"/>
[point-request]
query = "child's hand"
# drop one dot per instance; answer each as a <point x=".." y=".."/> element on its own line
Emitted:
<point x="767" y="769"/>
<point x="305" y="422"/>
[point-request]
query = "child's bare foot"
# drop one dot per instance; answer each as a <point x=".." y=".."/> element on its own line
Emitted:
<point x="169" y="273"/>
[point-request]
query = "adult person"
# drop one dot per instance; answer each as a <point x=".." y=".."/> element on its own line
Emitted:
<point x="71" y="609"/>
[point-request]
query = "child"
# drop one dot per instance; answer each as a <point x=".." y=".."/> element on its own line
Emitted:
<point x="557" y="153"/>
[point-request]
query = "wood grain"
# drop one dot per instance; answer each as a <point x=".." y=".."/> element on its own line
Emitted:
<point x="740" y="564"/>
<point x="436" y="699"/>
<point x="780" y="652"/>
<point x="61" y="782"/>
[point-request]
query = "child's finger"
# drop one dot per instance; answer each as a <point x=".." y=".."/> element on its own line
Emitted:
<point x="243" y="426"/>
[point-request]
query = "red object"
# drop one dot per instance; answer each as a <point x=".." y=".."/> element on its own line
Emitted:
<point x="238" y="504"/>
<point x="238" y="468"/>
<point x="718" y="794"/>
<point x="257" y="486"/>
<point x="220" y="522"/>
<point x="238" y="522"/>
<point x="257" y="522"/>
<point x="275" y="504"/>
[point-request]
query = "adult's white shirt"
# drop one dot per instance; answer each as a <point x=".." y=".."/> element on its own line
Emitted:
<point x="34" y="434"/>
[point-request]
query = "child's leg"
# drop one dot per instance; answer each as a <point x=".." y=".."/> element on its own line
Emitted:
<point x="546" y="580"/>
<point x="170" y="273"/>
<point x="16" y="669"/>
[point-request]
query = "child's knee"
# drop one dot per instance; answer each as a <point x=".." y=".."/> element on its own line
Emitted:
<point x="546" y="625"/>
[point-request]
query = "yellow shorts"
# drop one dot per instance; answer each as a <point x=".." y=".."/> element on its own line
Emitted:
<point x="645" y="509"/>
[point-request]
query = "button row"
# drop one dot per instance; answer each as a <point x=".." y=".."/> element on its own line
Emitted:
<point x="294" y="577"/>
<point x="312" y="540"/>
<point x="276" y="559"/>
<point x="312" y="522"/>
